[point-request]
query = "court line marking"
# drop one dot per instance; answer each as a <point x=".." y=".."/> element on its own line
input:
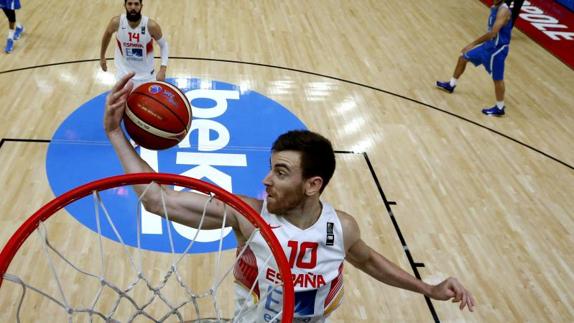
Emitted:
<point x="329" y="77"/>
<point x="414" y="264"/>
<point x="3" y="140"/>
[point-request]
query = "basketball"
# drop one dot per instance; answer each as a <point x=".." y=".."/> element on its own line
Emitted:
<point x="157" y="115"/>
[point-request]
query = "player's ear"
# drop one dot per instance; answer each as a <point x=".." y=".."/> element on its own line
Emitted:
<point x="313" y="185"/>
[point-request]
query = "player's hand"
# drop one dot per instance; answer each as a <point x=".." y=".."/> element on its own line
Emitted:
<point x="116" y="103"/>
<point x="103" y="64"/>
<point x="161" y="74"/>
<point x="451" y="288"/>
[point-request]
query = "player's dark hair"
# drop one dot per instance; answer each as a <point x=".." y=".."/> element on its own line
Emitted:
<point x="317" y="156"/>
<point x="126" y="1"/>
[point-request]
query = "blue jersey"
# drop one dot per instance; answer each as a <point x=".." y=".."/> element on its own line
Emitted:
<point x="503" y="36"/>
<point x="10" y="4"/>
<point x="492" y="53"/>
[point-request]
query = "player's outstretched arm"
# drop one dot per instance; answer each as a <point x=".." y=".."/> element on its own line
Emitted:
<point x="183" y="207"/>
<point x="376" y="265"/>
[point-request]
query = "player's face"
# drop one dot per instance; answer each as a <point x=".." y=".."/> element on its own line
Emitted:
<point x="133" y="10"/>
<point x="284" y="183"/>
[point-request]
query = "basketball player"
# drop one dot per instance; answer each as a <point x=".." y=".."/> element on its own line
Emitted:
<point x="489" y="50"/>
<point x="315" y="237"/>
<point x="15" y="29"/>
<point x="134" y="51"/>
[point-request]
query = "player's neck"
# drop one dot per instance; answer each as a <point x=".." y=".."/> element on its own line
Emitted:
<point x="134" y="24"/>
<point x="306" y="214"/>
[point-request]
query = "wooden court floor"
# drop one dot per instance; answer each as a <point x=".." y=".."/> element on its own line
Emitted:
<point x="488" y="200"/>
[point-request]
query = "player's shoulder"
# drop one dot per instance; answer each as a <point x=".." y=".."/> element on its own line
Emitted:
<point x="504" y="9"/>
<point x="154" y="28"/>
<point x="151" y="23"/>
<point x="114" y="22"/>
<point x="243" y="224"/>
<point x="350" y="227"/>
<point x="348" y="222"/>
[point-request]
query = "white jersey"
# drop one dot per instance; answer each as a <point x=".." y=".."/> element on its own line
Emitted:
<point x="316" y="256"/>
<point x="134" y="50"/>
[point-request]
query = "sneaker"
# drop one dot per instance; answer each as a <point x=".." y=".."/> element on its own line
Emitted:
<point x="445" y="86"/>
<point x="9" y="45"/>
<point x="18" y="32"/>
<point x="494" y="111"/>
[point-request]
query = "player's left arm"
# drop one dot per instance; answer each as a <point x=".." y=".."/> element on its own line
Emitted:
<point x="502" y="18"/>
<point x="360" y="255"/>
<point x="156" y="34"/>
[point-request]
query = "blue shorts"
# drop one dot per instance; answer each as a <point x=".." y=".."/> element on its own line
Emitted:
<point x="491" y="57"/>
<point x="10" y="4"/>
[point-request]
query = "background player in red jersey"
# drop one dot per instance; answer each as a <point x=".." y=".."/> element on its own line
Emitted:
<point x="134" y="51"/>
<point x="302" y="164"/>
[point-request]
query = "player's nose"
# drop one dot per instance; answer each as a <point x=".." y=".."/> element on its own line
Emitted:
<point x="267" y="179"/>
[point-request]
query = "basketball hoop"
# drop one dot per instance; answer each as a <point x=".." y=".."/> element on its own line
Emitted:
<point x="188" y="301"/>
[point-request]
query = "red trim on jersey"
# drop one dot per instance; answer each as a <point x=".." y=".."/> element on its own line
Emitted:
<point x="149" y="48"/>
<point x="245" y="270"/>
<point x="336" y="286"/>
<point x="120" y="46"/>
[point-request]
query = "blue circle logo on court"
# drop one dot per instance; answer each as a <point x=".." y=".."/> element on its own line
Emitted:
<point x="228" y="145"/>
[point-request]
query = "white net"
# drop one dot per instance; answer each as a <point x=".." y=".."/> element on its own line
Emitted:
<point x="66" y="272"/>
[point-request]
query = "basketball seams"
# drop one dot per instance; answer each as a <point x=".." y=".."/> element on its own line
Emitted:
<point x="183" y="98"/>
<point x="165" y="106"/>
<point x="155" y="115"/>
<point x="153" y="130"/>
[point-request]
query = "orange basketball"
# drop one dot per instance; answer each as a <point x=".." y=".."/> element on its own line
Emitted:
<point x="157" y="116"/>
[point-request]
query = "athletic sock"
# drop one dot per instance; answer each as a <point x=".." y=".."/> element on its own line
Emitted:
<point x="500" y="104"/>
<point x="453" y="81"/>
<point x="11" y="33"/>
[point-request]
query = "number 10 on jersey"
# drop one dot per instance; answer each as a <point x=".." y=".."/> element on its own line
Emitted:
<point x="303" y="254"/>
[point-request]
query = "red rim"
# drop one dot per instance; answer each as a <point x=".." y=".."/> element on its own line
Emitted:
<point x="69" y="197"/>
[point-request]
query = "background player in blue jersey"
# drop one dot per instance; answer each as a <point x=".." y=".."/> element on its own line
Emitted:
<point x="15" y="29"/>
<point x="489" y="50"/>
